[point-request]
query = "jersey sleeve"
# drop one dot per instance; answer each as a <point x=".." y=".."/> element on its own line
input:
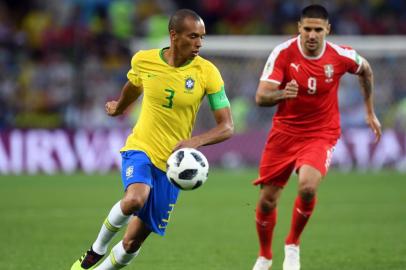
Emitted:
<point x="353" y="61"/>
<point x="274" y="67"/>
<point x="214" y="81"/>
<point x="215" y="88"/>
<point x="134" y="75"/>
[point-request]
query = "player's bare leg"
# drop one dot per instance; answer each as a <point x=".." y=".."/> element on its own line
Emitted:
<point x="309" y="181"/>
<point x="127" y="249"/>
<point x="133" y="200"/>
<point x="266" y="214"/>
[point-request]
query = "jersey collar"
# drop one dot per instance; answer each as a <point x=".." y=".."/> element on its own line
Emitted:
<point x="161" y="55"/>
<point x="311" y="57"/>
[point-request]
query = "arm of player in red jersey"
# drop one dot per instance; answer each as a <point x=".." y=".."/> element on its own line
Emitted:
<point x="269" y="94"/>
<point x="222" y="131"/>
<point x="129" y="94"/>
<point x="366" y="79"/>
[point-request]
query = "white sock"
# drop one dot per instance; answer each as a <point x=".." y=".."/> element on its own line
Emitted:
<point x="117" y="259"/>
<point x="111" y="225"/>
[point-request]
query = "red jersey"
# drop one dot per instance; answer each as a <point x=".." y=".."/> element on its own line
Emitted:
<point x="314" y="112"/>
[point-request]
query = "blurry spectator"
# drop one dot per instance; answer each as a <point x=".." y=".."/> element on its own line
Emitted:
<point x="122" y="15"/>
<point x="34" y="25"/>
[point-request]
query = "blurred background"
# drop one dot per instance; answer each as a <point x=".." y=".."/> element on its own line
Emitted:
<point x="60" y="61"/>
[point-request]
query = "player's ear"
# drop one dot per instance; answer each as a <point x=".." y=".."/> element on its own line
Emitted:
<point x="172" y="34"/>
<point x="328" y="28"/>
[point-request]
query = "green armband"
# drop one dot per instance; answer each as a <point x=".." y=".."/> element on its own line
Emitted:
<point x="218" y="100"/>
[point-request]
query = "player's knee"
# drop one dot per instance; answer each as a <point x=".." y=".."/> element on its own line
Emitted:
<point x="267" y="204"/>
<point x="132" y="204"/>
<point x="130" y="245"/>
<point x="307" y="192"/>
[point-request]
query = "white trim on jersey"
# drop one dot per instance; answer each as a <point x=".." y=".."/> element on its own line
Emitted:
<point x="360" y="65"/>
<point x="268" y="80"/>
<point x="268" y="69"/>
<point x="349" y="53"/>
<point x="311" y="57"/>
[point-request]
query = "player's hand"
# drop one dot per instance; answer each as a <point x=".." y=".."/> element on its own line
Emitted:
<point x="291" y="90"/>
<point x="375" y="126"/>
<point x="111" y="108"/>
<point x="191" y="143"/>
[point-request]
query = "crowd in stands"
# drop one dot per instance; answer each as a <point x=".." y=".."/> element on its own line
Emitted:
<point x="61" y="60"/>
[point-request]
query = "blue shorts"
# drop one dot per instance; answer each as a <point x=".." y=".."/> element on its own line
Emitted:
<point x="138" y="168"/>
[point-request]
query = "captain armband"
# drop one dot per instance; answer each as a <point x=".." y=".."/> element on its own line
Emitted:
<point x="218" y="100"/>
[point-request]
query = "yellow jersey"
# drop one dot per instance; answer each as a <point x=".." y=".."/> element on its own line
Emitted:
<point x="171" y="100"/>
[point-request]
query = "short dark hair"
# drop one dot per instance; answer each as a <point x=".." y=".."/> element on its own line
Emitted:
<point x="176" y="20"/>
<point x="314" y="11"/>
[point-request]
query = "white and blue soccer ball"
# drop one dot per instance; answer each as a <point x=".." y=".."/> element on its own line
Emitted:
<point x="187" y="168"/>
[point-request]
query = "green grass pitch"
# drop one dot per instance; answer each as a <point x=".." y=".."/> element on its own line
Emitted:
<point x="46" y="222"/>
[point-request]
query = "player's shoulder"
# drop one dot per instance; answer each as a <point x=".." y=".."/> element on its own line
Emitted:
<point x="284" y="50"/>
<point x="201" y="61"/>
<point x="341" y="50"/>
<point x="287" y="45"/>
<point x="204" y="64"/>
<point x="146" y="54"/>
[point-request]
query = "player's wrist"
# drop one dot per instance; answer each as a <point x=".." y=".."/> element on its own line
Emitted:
<point x="121" y="107"/>
<point x="370" y="110"/>
<point x="281" y="94"/>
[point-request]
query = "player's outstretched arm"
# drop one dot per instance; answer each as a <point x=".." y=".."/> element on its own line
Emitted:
<point x="129" y="94"/>
<point x="366" y="79"/>
<point x="222" y="131"/>
<point x="269" y="94"/>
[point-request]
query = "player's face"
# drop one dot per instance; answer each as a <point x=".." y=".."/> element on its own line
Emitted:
<point x="189" y="41"/>
<point x="312" y="34"/>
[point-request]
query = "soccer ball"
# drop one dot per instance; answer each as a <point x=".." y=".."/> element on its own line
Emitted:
<point x="187" y="168"/>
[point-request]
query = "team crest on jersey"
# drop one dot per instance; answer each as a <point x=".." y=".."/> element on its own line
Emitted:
<point x="129" y="172"/>
<point x="329" y="72"/>
<point x="189" y="83"/>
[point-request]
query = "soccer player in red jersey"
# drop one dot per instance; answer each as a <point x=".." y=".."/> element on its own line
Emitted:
<point x="302" y="77"/>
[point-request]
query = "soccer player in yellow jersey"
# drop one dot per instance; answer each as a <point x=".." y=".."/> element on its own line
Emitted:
<point x="173" y="82"/>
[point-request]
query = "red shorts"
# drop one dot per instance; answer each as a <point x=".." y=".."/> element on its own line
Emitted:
<point x="284" y="154"/>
